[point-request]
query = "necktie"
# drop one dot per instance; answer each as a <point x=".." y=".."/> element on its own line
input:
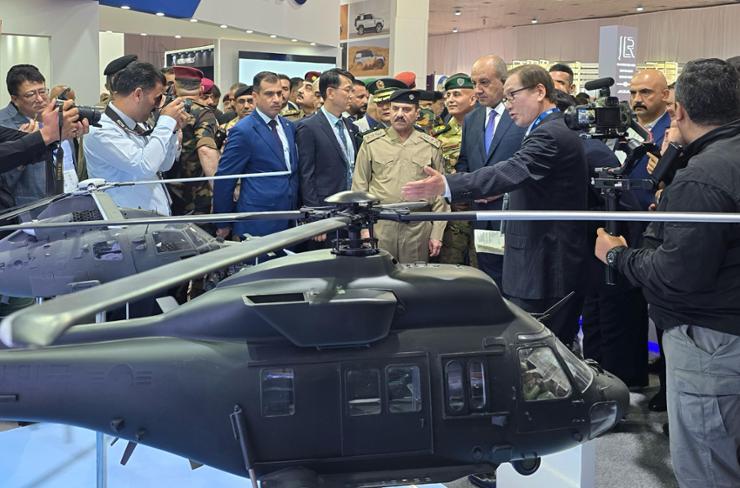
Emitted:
<point x="345" y="150"/>
<point x="273" y="129"/>
<point x="489" y="130"/>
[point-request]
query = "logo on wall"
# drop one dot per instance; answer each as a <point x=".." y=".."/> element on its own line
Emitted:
<point x="626" y="47"/>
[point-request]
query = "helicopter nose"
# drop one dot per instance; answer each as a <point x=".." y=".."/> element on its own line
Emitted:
<point x="611" y="407"/>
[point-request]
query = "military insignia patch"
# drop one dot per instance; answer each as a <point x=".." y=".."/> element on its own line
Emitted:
<point x="460" y="82"/>
<point x="380" y="84"/>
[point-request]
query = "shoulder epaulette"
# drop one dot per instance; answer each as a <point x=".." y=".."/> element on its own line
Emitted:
<point x="373" y="134"/>
<point x="440" y="129"/>
<point x="431" y="140"/>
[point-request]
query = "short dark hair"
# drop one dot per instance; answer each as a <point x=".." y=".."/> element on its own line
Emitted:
<point x="709" y="91"/>
<point x="267" y="76"/>
<point x="283" y="76"/>
<point x="332" y="79"/>
<point x="167" y="70"/>
<point x="215" y="91"/>
<point x="358" y="82"/>
<point x="563" y="68"/>
<point x="532" y="75"/>
<point x="136" y="75"/>
<point x="295" y="83"/>
<point x="734" y="61"/>
<point x="21" y="73"/>
<point x="583" y="98"/>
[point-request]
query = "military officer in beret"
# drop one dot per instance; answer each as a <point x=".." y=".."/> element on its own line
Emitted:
<point x="200" y="155"/>
<point x="111" y="69"/>
<point x="387" y="160"/>
<point x="458" y="246"/>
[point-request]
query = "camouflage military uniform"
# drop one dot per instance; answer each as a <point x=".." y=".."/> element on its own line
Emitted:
<point x="193" y="198"/>
<point x="292" y="113"/>
<point x="384" y="164"/>
<point x="458" y="246"/>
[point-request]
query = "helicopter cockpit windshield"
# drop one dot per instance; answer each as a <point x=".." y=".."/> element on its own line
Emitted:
<point x="542" y="376"/>
<point x="582" y="374"/>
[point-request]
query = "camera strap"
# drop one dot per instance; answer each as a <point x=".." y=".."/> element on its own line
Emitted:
<point x="138" y="130"/>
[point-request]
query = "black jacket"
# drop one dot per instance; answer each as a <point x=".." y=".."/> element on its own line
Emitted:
<point x="321" y="162"/>
<point x="542" y="259"/>
<point x="16" y="149"/>
<point x="690" y="272"/>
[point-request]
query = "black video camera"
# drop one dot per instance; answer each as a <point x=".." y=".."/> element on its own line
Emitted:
<point x="605" y="118"/>
<point x="92" y="114"/>
<point x="170" y="95"/>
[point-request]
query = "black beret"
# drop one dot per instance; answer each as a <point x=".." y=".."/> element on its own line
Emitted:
<point x="245" y="90"/>
<point x="119" y="63"/>
<point x="405" y="96"/>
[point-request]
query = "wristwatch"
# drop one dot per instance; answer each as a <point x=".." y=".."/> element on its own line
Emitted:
<point x="612" y="255"/>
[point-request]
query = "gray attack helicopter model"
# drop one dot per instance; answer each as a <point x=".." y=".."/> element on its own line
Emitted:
<point x="331" y="368"/>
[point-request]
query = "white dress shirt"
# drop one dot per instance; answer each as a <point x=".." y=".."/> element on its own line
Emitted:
<point x="118" y="155"/>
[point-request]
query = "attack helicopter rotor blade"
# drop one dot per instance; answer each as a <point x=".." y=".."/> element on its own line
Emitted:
<point x="197" y="179"/>
<point x="404" y="205"/>
<point x="42" y="324"/>
<point x="14" y="212"/>
<point x="564" y="215"/>
<point x="182" y="219"/>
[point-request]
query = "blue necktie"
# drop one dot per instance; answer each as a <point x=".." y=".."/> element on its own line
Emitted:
<point x="489" y="131"/>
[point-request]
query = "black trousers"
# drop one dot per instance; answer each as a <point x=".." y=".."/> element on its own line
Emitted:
<point x="492" y="265"/>
<point x="615" y="333"/>
<point x="564" y="323"/>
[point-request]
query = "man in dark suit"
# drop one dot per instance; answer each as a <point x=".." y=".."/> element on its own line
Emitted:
<point x="543" y="260"/>
<point x="327" y="142"/>
<point x="489" y="136"/>
<point x="263" y="142"/>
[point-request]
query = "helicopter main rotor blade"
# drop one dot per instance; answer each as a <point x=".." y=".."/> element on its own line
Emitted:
<point x="14" y="212"/>
<point x="564" y="215"/>
<point x="40" y="325"/>
<point x="198" y="179"/>
<point x="181" y="219"/>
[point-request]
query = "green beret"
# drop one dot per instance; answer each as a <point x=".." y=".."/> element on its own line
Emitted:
<point x="457" y="81"/>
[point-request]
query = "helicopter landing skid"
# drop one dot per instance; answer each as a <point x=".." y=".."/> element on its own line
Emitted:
<point x="487" y="480"/>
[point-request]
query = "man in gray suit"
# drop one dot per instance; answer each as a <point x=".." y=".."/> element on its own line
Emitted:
<point x="489" y="136"/>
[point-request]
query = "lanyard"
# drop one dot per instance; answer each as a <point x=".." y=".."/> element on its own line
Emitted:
<point x="542" y="117"/>
<point x="120" y="123"/>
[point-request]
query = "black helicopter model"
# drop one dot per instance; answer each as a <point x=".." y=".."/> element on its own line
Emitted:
<point x="330" y="368"/>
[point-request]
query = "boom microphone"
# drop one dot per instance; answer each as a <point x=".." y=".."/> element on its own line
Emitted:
<point x="599" y="84"/>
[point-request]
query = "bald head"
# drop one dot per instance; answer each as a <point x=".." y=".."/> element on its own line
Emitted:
<point x="648" y="95"/>
<point x="488" y="75"/>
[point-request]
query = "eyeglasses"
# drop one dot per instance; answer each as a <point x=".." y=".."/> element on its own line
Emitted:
<point x="41" y="92"/>
<point x="510" y="97"/>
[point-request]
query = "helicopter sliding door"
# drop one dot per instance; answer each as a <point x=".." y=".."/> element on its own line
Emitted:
<point x="386" y="406"/>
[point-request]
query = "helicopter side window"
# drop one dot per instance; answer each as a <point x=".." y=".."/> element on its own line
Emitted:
<point x="404" y="389"/>
<point x="582" y="374"/>
<point x="477" y="379"/>
<point x="363" y="392"/>
<point x="454" y="374"/>
<point x="170" y="241"/>
<point x="108" y="251"/>
<point x="277" y="392"/>
<point x="542" y="376"/>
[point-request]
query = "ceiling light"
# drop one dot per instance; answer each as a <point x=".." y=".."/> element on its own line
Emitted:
<point x="144" y="34"/>
<point x="294" y="40"/>
<point x="109" y="32"/>
<point x="193" y="20"/>
<point x="224" y="26"/>
<point x="454" y="29"/>
<point x="273" y="36"/>
<point x="458" y="11"/>
<point x="125" y="7"/>
<point x="534" y="21"/>
<point x="250" y="31"/>
<point x="178" y="36"/>
<point x="313" y="43"/>
<point x="159" y="14"/>
<point x="640" y="8"/>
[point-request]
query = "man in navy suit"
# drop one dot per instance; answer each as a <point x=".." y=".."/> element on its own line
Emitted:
<point x="543" y="260"/>
<point x="263" y="142"/>
<point x="489" y="136"/>
<point x="327" y="142"/>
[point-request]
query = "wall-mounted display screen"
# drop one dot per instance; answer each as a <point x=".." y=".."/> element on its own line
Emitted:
<point x="251" y="63"/>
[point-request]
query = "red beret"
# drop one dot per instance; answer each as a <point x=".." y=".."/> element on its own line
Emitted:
<point x="187" y="73"/>
<point x="311" y="76"/>
<point x="408" y="77"/>
<point x="206" y="85"/>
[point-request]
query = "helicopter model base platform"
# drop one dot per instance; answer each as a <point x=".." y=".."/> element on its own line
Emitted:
<point x="31" y="457"/>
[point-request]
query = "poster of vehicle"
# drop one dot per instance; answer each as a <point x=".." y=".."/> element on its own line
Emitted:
<point x="368" y="18"/>
<point x="368" y="58"/>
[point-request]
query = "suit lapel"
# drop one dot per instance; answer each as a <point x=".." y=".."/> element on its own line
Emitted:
<point x="480" y="135"/>
<point x="501" y="128"/>
<point x="329" y="132"/>
<point x="353" y="130"/>
<point x="290" y="135"/>
<point x="264" y="132"/>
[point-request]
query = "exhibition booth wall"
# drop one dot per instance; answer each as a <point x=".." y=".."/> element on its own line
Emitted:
<point x="677" y="35"/>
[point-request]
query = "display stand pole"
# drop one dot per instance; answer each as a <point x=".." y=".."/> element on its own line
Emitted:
<point x="101" y="449"/>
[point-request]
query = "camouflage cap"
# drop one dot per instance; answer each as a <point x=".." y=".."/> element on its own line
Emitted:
<point x="457" y="81"/>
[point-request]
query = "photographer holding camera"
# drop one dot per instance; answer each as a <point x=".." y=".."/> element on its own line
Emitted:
<point x="689" y="275"/>
<point x="122" y="149"/>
